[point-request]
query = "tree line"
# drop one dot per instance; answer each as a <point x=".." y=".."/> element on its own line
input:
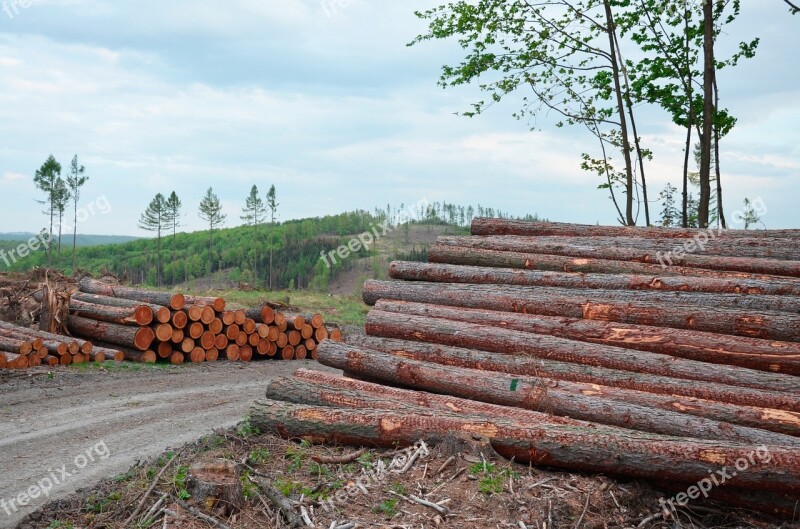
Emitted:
<point x="596" y="64"/>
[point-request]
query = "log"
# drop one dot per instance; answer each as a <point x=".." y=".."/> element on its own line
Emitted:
<point x="133" y="355"/>
<point x="179" y="319"/>
<point x="177" y="358"/>
<point x="752" y="353"/>
<point x="287" y="353"/>
<point x="167" y="299"/>
<point x="773" y="420"/>
<point x="216" y="326"/>
<point x="164" y="350"/>
<point x="196" y="330"/>
<point x="245" y="353"/>
<point x="11" y="345"/>
<point x="109" y="352"/>
<point x="455" y="274"/>
<point x="207" y="314"/>
<point x="750" y="265"/>
<point x="218" y="304"/>
<point x="194" y="313"/>
<point x="17" y="361"/>
<point x="781" y="326"/>
<point x="232" y="352"/>
<point x="140" y="315"/>
<point x="37" y="337"/>
<point x="300" y="352"/>
<point x="198" y="355"/>
<point x="212" y="355"/>
<point x="161" y="313"/>
<point x="207" y="340"/>
<point x="3" y="361"/>
<point x="516" y="343"/>
<point x="447" y="273"/>
<point x="588" y="402"/>
<point x="239" y="317"/>
<point x="139" y="338"/>
<point x="177" y="336"/>
<point x="440" y="253"/>
<point x="490" y="226"/>
<point x="228" y="317"/>
<point x="163" y="332"/>
<point x="264" y="314"/>
<point x="666" y="458"/>
<point x="48" y="360"/>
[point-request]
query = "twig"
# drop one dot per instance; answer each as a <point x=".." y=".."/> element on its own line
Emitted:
<point x="414" y="457"/>
<point x="349" y="525"/>
<point x="149" y="491"/>
<point x="585" y="506"/>
<point x="413" y="499"/>
<point x="653" y="517"/>
<point x="338" y="460"/>
<point x="305" y="517"/>
<point x="154" y="509"/>
<point x="446" y="464"/>
<point x="454" y="476"/>
<point x="197" y="513"/>
<point x="278" y="500"/>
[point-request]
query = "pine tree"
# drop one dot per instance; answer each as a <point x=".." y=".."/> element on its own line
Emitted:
<point x="670" y="216"/>
<point x="46" y="179"/>
<point x="174" y="221"/>
<point x="272" y="204"/>
<point x="253" y="215"/>
<point x="75" y="181"/>
<point x="156" y="218"/>
<point x="211" y="212"/>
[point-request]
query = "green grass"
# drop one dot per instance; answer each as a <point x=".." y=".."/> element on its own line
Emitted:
<point x="118" y="366"/>
<point x="348" y="310"/>
<point x="491" y="479"/>
<point x="387" y="507"/>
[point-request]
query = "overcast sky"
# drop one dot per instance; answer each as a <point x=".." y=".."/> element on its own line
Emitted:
<point x="333" y="108"/>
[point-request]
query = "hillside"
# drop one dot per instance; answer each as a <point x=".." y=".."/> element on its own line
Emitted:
<point x="66" y="240"/>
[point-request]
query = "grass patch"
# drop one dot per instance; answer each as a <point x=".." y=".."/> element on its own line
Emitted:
<point x="387" y="507"/>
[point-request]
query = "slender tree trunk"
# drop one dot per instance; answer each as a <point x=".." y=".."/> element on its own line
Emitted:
<point x="626" y="147"/>
<point x="689" y="124"/>
<point x="708" y="114"/>
<point x="60" y="223"/>
<point x="74" y="235"/>
<point x="158" y="249"/>
<point x="50" y="240"/>
<point x="720" y="212"/>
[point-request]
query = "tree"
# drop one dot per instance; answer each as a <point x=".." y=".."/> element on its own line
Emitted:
<point x="568" y="54"/>
<point x="211" y="212"/>
<point x="669" y="215"/>
<point x="76" y="178"/>
<point x="272" y="204"/>
<point x="253" y="215"/>
<point x="750" y="216"/>
<point x="174" y="221"/>
<point x="60" y="202"/>
<point x="156" y="219"/>
<point x="46" y="179"/>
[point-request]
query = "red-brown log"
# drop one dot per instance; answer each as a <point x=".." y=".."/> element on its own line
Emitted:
<point x="586" y="304"/>
<point x="753" y="353"/>
<point x="562" y="446"/>
<point x="300" y="352"/>
<point x="177" y="335"/>
<point x="163" y="332"/>
<point x="767" y="419"/>
<point x="245" y="353"/>
<point x="207" y="340"/>
<point x="195" y="312"/>
<point x="336" y="335"/>
<point x="589" y="402"/>
<point x="198" y="355"/>
<point x="262" y="349"/>
<point x="216" y="326"/>
<point x="212" y="355"/>
<point x="177" y="358"/>
<point x="164" y="350"/>
<point x="167" y="299"/>
<point x="228" y="317"/>
<point x="294" y="338"/>
<point x="161" y="313"/>
<point x="187" y="345"/>
<point x="287" y="353"/>
<point x="16" y="361"/>
<point x="139" y="338"/>
<point x="221" y="342"/>
<point x="12" y="345"/>
<point x="459" y="255"/>
<point x="249" y="326"/>
<point x="240" y="317"/>
<point x="517" y="343"/>
<point x="493" y="226"/>
<point x="126" y="353"/>
<point x="232" y="332"/>
<point x="180" y="319"/>
<point x="232" y="352"/>
<point x="207" y="314"/>
<point x="242" y="339"/>
<point x="665" y="257"/>
<point x="218" y="304"/>
<point x="253" y="339"/>
<point x="283" y="340"/>
<point x="448" y="273"/>
<point x="139" y="315"/>
<point x="196" y="330"/>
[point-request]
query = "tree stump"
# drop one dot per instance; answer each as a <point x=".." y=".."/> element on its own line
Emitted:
<point x="215" y="485"/>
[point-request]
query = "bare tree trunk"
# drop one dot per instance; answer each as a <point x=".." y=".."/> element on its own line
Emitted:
<point x="708" y="114"/>
<point x="720" y="211"/>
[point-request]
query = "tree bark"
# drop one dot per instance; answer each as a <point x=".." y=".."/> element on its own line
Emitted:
<point x="490" y="226"/>
<point x="708" y="113"/>
<point x="323" y="389"/>
<point x="440" y="253"/>
<point x="752" y="353"/>
<point x="138" y="338"/>
<point x="510" y="342"/>
<point x="139" y="316"/>
<point x="447" y="273"/>
<point x="666" y="256"/>
<point x="167" y="299"/>
<point x="675" y="459"/>
<point x="161" y="313"/>
<point x="782" y="326"/>
<point x="773" y="420"/>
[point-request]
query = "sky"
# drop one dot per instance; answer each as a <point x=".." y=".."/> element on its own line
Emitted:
<point x="323" y="99"/>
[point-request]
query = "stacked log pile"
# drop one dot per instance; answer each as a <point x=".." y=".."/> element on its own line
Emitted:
<point x="114" y="322"/>
<point x="149" y="326"/>
<point x="572" y="347"/>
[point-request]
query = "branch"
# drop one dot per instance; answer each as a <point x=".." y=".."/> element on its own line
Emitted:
<point x="795" y="9"/>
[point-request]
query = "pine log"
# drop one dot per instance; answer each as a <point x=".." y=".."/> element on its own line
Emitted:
<point x="249" y="326"/>
<point x="194" y="313"/>
<point x="198" y="355"/>
<point x="140" y="315"/>
<point x="447" y="273"/>
<point x="674" y="459"/>
<point x="163" y="332"/>
<point x="750" y="388"/>
<point x="177" y="336"/>
<point x="129" y="354"/>
<point x="207" y="340"/>
<point x="48" y="360"/>
<point x="440" y="253"/>
<point x="773" y="420"/>
<point x="240" y="317"/>
<point x="264" y="314"/>
<point x="228" y="317"/>
<point x="179" y="319"/>
<point x="589" y="402"/>
<point x="216" y="326"/>
<point x="516" y="343"/>
<point x="300" y="352"/>
<point x="164" y="350"/>
<point x="212" y="355"/>
<point x="109" y="352"/>
<point x="3" y="360"/>
<point x="782" y="326"/>
<point x="12" y="345"/>
<point x="468" y="275"/>
<point x="218" y="304"/>
<point x="221" y="342"/>
<point x="207" y="314"/>
<point x="167" y="299"/>
<point x="177" y="358"/>
<point x="490" y="226"/>
<point x="663" y="257"/>
<point x="16" y="361"/>
<point x="232" y="352"/>
<point x="324" y="389"/>
<point x="161" y="313"/>
<point x="196" y="330"/>
<point x="37" y="337"/>
<point x="253" y="339"/>
<point x="752" y="353"/>
<point x="139" y="338"/>
<point x="245" y="353"/>
<point x="287" y="353"/>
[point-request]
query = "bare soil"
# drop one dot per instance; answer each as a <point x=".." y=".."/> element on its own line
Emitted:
<point x="49" y="420"/>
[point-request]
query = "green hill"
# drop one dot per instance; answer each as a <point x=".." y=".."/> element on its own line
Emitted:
<point x="66" y="240"/>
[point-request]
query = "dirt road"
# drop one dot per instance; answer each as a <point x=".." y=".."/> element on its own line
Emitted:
<point x="71" y="431"/>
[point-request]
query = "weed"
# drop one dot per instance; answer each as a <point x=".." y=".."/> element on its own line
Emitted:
<point x="180" y="482"/>
<point x="246" y="429"/>
<point x="258" y="456"/>
<point x="387" y="507"/>
<point x="398" y="488"/>
<point x="365" y="459"/>
<point x="319" y="470"/>
<point x="249" y="489"/>
<point x="492" y="479"/>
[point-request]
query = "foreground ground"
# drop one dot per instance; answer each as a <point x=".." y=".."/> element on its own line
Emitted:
<point x="135" y="412"/>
